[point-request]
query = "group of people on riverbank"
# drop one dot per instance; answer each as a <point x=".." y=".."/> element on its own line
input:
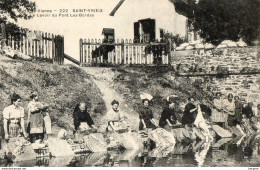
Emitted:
<point x="38" y="122"/>
<point x="229" y="113"/>
<point x="234" y="112"/>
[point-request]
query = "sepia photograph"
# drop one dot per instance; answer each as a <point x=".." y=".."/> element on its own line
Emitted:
<point x="129" y="83"/>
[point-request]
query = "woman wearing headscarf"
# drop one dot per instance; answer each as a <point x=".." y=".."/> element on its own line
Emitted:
<point x="36" y="114"/>
<point x="82" y="118"/>
<point x="14" y="118"/>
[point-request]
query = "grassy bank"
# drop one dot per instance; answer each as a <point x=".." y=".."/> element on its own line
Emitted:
<point x="62" y="87"/>
<point x="160" y="82"/>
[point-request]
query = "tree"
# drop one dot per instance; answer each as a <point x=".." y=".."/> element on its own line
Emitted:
<point x="15" y="9"/>
<point x="177" y="39"/>
<point x="218" y="20"/>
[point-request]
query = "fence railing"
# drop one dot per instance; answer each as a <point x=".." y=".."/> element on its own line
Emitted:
<point x="124" y="52"/>
<point x="37" y="44"/>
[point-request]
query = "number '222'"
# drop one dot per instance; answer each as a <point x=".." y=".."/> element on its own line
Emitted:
<point x="63" y="10"/>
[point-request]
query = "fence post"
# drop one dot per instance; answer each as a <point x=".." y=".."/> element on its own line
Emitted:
<point x="81" y="51"/>
<point x="62" y="52"/>
<point x="3" y="35"/>
<point x="169" y="52"/>
<point x="53" y="49"/>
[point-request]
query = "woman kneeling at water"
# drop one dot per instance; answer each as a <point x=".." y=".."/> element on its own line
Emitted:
<point x="82" y="119"/>
<point x="115" y="118"/>
<point x="168" y="116"/>
<point x="146" y="117"/>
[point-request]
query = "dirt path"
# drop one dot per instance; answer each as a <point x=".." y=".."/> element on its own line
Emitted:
<point x="103" y="77"/>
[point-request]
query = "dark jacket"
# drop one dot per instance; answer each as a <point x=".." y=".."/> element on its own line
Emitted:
<point x="238" y="110"/>
<point x="146" y="114"/>
<point x="167" y="114"/>
<point x="189" y="117"/>
<point x="80" y="116"/>
<point x="248" y="111"/>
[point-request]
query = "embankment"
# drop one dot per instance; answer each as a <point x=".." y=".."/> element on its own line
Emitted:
<point x="62" y="87"/>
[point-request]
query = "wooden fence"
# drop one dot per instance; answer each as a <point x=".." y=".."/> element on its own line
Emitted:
<point x="37" y="44"/>
<point x="98" y="52"/>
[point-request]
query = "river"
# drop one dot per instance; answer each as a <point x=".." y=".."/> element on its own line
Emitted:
<point x="225" y="152"/>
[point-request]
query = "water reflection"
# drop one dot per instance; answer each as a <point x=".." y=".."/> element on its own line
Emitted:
<point x="240" y="151"/>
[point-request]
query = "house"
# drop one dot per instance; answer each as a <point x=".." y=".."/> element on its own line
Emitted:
<point x="147" y="20"/>
<point x="184" y="8"/>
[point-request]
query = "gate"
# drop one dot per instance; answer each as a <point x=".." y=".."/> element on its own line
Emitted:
<point x="97" y="52"/>
<point x="36" y="44"/>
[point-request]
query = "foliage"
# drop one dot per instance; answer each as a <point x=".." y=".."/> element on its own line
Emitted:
<point x="218" y="20"/>
<point x="176" y="39"/>
<point x="16" y="9"/>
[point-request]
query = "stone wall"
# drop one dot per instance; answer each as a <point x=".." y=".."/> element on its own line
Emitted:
<point x="232" y="60"/>
<point x="203" y="67"/>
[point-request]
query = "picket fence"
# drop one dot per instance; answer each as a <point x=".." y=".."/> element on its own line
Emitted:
<point x="37" y="44"/>
<point x="124" y="52"/>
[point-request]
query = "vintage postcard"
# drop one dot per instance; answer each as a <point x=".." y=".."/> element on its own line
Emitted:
<point x="129" y="83"/>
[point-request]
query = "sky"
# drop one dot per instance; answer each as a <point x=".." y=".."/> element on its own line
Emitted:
<point x="74" y="28"/>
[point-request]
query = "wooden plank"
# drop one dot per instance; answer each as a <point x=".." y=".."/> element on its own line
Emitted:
<point x="80" y="51"/>
<point x="90" y="52"/>
<point x="144" y="60"/>
<point x="128" y="54"/>
<point x="62" y="59"/>
<point x="14" y="42"/>
<point x="132" y="54"/>
<point x="30" y="47"/>
<point x="49" y="47"/>
<point x="42" y="47"/>
<point x="33" y="48"/>
<point x="86" y="55"/>
<point x="113" y="57"/>
<point x="221" y="142"/>
<point x="95" y="48"/>
<point x="136" y="54"/>
<point x="124" y="53"/>
<point x="21" y="42"/>
<point x="116" y="54"/>
<point x="221" y="132"/>
<point x="52" y="49"/>
<point x="26" y="45"/>
<point x="140" y="55"/>
<point x="45" y="45"/>
<point x="11" y="41"/>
